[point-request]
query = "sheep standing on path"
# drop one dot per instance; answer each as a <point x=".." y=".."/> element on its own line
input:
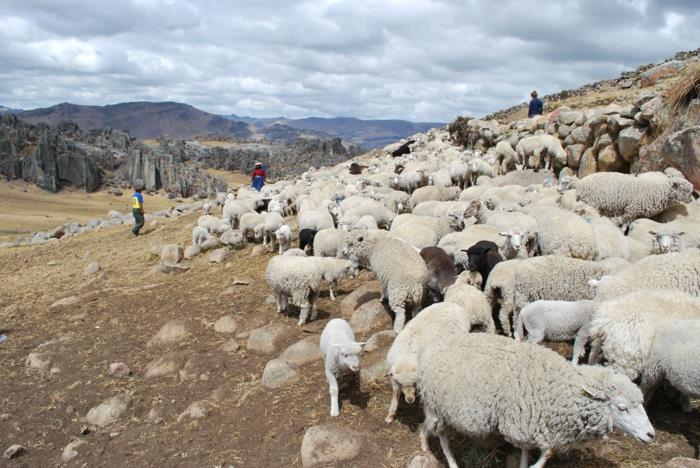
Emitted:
<point x="400" y="269"/>
<point x="341" y="356"/>
<point x="540" y="150"/>
<point x="553" y="320"/>
<point x="527" y="393"/>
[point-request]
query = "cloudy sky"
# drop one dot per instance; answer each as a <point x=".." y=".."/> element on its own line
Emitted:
<point x="411" y="59"/>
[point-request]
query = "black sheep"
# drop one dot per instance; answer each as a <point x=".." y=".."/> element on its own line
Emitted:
<point x="441" y="271"/>
<point x="483" y="256"/>
<point x="306" y="239"/>
<point x="403" y="149"/>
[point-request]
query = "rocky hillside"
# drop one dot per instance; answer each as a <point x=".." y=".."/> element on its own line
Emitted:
<point x="55" y="156"/>
<point x="645" y="120"/>
<point x="141" y="119"/>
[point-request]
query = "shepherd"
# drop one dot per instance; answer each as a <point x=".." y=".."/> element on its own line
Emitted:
<point x="137" y="207"/>
<point x="258" y="176"/>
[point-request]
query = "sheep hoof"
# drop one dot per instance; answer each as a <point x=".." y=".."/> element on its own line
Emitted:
<point x="335" y="413"/>
<point x="389" y="419"/>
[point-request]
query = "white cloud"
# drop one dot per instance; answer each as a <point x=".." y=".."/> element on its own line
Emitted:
<point x="411" y="59"/>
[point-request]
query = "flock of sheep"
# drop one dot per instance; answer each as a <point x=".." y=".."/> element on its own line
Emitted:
<point x="480" y="259"/>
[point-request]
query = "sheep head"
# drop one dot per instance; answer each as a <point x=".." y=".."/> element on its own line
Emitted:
<point x="348" y="355"/>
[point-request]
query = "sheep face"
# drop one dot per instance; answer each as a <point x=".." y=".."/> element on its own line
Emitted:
<point x="566" y="183"/>
<point x="407" y="378"/>
<point x="630" y="417"/>
<point x="348" y="356"/>
<point x="514" y="239"/>
<point x="456" y="221"/>
<point x="681" y="191"/>
<point x="666" y="241"/>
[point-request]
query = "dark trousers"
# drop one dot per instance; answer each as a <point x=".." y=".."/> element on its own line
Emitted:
<point x="138" y="216"/>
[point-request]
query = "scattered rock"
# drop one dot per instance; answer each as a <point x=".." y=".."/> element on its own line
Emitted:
<point x="192" y="251"/>
<point x="218" y="255"/>
<point x="277" y="373"/>
<point x="92" y="269"/>
<point x="14" y="451"/>
<point x="302" y="352"/>
<point x="365" y="293"/>
<point x="52" y="263"/>
<point x="171" y="333"/>
<point x="268" y="339"/>
<point x="230" y="346"/>
<point x="119" y="370"/>
<point x="66" y="301"/>
<point x="197" y="410"/>
<point x="370" y="316"/>
<point x="233" y="238"/>
<point x="423" y="460"/>
<point x="329" y="444"/>
<point x="109" y="411"/>
<point x="209" y="244"/>
<point x="226" y="324"/>
<point x="573" y="155"/>
<point x="588" y="164"/>
<point x="681" y="462"/>
<point x="114" y="214"/>
<point x="241" y="281"/>
<point x="609" y="160"/>
<point x="259" y="250"/>
<point x="171" y="253"/>
<point x="155" y="416"/>
<point x="71" y="450"/>
<point x="38" y="360"/>
<point x="379" y="340"/>
<point x="169" y="268"/>
<point x="164" y="365"/>
<point x="374" y="373"/>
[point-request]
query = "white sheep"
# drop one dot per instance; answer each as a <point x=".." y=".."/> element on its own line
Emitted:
<point x="248" y="222"/>
<point x="399" y="268"/>
<point x="234" y="209"/>
<point x="677" y="271"/>
<point x="540" y="150"/>
<point x="334" y="269"/>
<point x="480" y="384"/>
<point x="440" y="178"/>
<point x="410" y="181"/>
<point x="477" y="168"/>
<point x="472" y="278"/>
<point x="366" y="222"/>
<point x="329" y="242"/>
<point x="553" y="320"/>
<point x="284" y="238"/>
<point x="674" y="356"/>
<point x="433" y="192"/>
<point x="474" y="303"/>
<point x="433" y="323"/>
<point x="625" y="197"/>
<point x="206" y="208"/>
<point x="505" y="157"/>
<point x="622" y="330"/>
<point x="341" y="355"/>
<point x="561" y="232"/>
<point x="297" y="280"/>
<point x="272" y="221"/>
<point x="200" y="235"/>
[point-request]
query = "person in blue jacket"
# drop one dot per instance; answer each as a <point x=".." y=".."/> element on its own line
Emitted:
<point x="536" y="105"/>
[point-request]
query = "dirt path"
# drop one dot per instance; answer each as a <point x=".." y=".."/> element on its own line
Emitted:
<point x="247" y="425"/>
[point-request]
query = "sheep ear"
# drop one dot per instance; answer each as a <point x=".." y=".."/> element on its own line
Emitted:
<point x="681" y="233"/>
<point x="595" y="394"/>
<point x="653" y="233"/>
<point x="593" y="282"/>
<point x="362" y="343"/>
<point x="505" y="234"/>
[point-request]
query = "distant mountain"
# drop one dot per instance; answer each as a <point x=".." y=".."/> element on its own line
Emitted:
<point x="7" y="110"/>
<point x="366" y="133"/>
<point x="142" y="119"/>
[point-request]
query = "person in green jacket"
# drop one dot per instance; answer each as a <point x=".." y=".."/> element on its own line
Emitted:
<point x="137" y="207"/>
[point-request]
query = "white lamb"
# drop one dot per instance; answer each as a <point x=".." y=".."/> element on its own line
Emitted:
<point x="206" y="208"/>
<point x="335" y="269"/>
<point x="284" y="238"/>
<point x="505" y="157"/>
<point x="479" y="167"/>
<point x="553" y="320"/>
<point x="248" y="222"/>
<point x="480" y="384"/>
<point x="433" y="323"/>
<point x="297" y="280"/>
<point x="329" y="242"/>
<point x="266" y="230"/>
<point x="200" y="235"/>
<point x="366" y="222"/>
<point x="316" y="220"/>
<point x="341" y="356"/>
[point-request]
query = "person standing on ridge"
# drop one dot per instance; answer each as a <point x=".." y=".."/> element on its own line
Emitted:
<point x="137" y="207"/>
<point x="536" y="105"/>
<point x="258" y="176"/>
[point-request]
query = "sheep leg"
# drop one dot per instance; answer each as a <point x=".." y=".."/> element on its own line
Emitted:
<point x="314" y="309"/>
<point x="535" y="336"/>
<point x="304" y="313"/>
<point x="546" y="455"/>
<point x="281" y="300"/>
<point x="685" y="404"/>
<point x="579" y="344"/>
<point x="333" y="390"/>
<point x="393" y="406"/>
<point x="427" y="429"/>
<point x="596" y="351"/>
<point x="330" y="288"/>
<point x="400" y="319"/>
<point x="523" y="458"/>
<point x="445" y="444"/>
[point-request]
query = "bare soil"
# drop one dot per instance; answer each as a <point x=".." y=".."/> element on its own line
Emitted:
<point x="248" y="425"/>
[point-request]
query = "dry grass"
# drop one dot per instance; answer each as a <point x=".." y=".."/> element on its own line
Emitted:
<point x="25" y="208"/>
<point x="686" y="89"/>
<point x="234" y="179"/>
